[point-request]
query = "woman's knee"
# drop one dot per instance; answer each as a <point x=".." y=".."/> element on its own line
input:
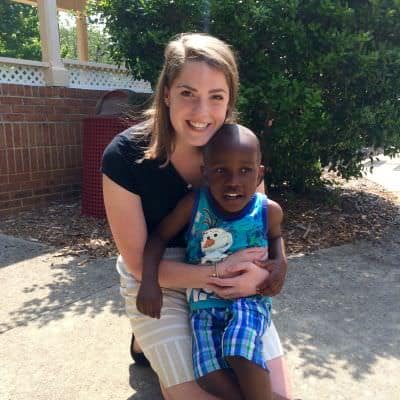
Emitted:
<point x="187" y="390"/>
<point x="279" y="376"/>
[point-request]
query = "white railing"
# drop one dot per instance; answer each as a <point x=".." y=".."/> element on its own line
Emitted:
<point x="22" y="72"/>
<point x="81" y="75"/>
<point x="88" y="75"/>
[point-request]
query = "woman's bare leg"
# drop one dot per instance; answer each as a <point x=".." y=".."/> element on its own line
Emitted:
<point x="279" y="376"/>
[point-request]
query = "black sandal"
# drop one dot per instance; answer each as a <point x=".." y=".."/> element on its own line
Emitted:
<point x="139" y="357"/>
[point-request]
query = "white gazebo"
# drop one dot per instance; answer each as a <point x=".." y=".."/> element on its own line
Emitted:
<point x="54" y="71"/>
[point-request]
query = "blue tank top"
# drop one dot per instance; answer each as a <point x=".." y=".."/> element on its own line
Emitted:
<point x="211" y="237"/>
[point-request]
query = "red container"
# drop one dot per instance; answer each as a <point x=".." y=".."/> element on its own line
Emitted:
<point x="98" y="131"/>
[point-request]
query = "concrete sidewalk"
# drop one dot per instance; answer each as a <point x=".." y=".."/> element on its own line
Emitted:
<point x="64" y="334"/>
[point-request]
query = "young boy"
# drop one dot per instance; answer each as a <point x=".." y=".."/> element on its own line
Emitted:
<point x="225" y="216"/>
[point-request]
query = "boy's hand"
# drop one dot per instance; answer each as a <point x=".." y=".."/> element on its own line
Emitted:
<point x="274" y="283"/>
<point x="149" y="300"/>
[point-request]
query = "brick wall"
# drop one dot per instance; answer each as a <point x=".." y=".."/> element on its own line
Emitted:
<point x="41" y="144"/>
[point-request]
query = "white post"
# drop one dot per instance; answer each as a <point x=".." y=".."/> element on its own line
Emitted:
<point x="82" y="36"/>
<point x="56" y="75"/>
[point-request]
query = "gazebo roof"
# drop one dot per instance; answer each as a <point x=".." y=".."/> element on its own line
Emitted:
<point x="76" y="5"/>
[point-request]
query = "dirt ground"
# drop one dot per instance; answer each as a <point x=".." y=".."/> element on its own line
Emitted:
<point x="335" y="215"/>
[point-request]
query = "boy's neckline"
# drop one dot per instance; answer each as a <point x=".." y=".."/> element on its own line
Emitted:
<point x="225" y="214"/>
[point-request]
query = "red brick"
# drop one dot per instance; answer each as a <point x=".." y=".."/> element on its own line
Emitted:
<point x="54" y="101"/>
<point x="2" y="137"/>
<point x="30" y="201"/>
<point x="8" y="135"/>
<point x="35" y="117"/>
<point x="52" y="129"/>
<point x="33" y="101"/>
<point x="23" y="109"/>
<point x="17" y="139"/>
<point x="37" y="91"/>
<point x="27" y="91"/>
<point x="11" y="161"/>
<point x="47" y="158"/>
<point x="20" y="178"/>
<point x="13" y="117"/>
<point x="3" y="162"/>
<point x="5" y="108"/>
<point x="4" y="196"/>
<point x="4" y="180"/>
<point x="40" y="159"/>
<point x="20" y="194"/>
<point x="41" y="176"/>
<point x="26" y="159"/>
<point x="34" y="159"/>
<point x="11" y="100"/>
<point x="45" y="190"/>
<point x="60" y="157"/>
<point x="10" y="204"/>
<point x="19" y="164"/>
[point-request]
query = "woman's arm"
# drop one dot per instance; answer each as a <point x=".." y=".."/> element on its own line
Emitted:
<point x="125" y="217"/>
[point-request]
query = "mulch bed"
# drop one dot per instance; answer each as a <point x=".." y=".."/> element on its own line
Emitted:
<point x="358" y="209"/>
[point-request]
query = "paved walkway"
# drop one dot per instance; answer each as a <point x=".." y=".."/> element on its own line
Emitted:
<point x="63" y="333"/>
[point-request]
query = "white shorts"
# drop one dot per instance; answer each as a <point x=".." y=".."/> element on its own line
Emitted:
<point x="167" y="342"/>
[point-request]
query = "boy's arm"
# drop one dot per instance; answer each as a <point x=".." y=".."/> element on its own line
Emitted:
<point x="276" y="263"/>
<point x="149" y="298"/>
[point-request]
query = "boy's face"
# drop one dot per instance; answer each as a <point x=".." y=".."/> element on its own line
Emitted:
<point x="232" y="174"/>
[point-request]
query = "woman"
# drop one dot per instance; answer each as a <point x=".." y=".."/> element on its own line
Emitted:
<point x="146" y="170"/>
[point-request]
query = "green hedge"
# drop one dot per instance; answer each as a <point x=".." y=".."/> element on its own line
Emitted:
<point x="326" y="74"/>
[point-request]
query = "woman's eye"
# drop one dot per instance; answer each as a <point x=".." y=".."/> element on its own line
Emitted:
<point x="218" y="97"/>
<point x="245" y="170"/>
<point x="219" y="170"/>
<point x="186" y="93"/>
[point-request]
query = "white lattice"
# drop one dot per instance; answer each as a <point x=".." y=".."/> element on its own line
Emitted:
<point x="22" y="74"/>
<point x="103" y="77"/>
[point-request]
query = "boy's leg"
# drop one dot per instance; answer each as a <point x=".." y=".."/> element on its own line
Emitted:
<point x="210" y="368"/>
<point x="242" y="347"/>
<point x="221" y="384"/>
<point x="254" y="380"/>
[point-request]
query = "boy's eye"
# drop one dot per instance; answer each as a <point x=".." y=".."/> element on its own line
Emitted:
<point x="245" y="170"/>
<point x="218" y="97"/>
<point x="219" y="170"/>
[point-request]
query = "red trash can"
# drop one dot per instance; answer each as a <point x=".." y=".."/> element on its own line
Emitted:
<point x="98" y="131"/>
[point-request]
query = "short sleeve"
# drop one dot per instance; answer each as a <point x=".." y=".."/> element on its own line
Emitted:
<point x="119" y="162"/>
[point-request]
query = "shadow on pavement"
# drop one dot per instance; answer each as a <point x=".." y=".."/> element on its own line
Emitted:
<point x="14" y="250"/>
<point x="144" y="381"/>
<point x="340" y="306"/>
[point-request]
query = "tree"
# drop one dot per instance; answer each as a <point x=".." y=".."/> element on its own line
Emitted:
<point x="19" y="31"/>
<point x="320" y="80"/>
<point x="98" y="43"/>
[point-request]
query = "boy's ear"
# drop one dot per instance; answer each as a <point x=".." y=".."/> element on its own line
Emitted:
<point x="261" y="173"/>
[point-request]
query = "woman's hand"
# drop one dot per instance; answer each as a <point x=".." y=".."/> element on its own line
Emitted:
<point x="273" y="284"/>
<point x="246" y="278"/>
<point x="228" y="267"/>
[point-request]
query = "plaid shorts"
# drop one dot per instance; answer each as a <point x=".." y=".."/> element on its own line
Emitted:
<point x="236" y="330"/>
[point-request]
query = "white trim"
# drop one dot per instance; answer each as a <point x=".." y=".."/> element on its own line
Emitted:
<point x="20" y="61"/>
<point x="89" y="64"/>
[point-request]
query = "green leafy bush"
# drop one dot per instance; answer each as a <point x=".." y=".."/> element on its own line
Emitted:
<point x="320" y="80"/>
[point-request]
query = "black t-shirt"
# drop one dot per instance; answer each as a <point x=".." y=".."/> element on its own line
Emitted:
<point x="160" y="188"/>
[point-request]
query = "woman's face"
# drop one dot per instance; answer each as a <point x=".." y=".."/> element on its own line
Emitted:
<point x="198" y="102"/>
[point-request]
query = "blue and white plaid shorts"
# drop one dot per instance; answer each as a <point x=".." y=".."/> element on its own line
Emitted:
<point x="236" y="330"/>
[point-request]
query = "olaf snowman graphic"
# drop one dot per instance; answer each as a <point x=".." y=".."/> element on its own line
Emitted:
<point x="214" y="245"/>
<point x="215" y="242"/>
